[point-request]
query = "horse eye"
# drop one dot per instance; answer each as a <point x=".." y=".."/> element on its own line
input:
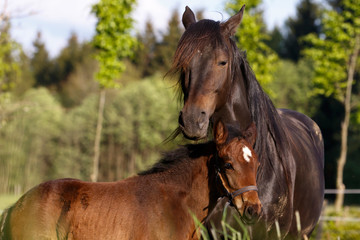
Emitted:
<point x="228" y="166"/>
<point x="222" y="63"/>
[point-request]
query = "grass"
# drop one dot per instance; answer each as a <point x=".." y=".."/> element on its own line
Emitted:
<point x="343" y="226"/>
<point x="337" y="226"/>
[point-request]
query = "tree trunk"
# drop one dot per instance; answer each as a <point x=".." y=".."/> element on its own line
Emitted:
<point x="95" y="174"/>
<point x="345" y="127"/>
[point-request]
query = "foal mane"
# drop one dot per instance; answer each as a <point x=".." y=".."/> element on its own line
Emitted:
<point x="183" y="156"/>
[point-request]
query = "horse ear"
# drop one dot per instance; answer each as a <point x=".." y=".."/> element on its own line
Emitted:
<point x="188" y="17"/>
<point x="229" y="27"/>
<point x="221" y="133"/>
<point x="250" y="134"/>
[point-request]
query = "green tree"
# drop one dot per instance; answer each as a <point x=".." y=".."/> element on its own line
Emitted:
<point x="80" y="82"/>
<point x="336" y="61"/>
<point x="70" y="56"/>
<point x="113" y="38"/>
<point x="145" y="55"/>
<point x="114" y="42"/>
<point x="137" y="119"/>
<point x="276" y="42"/>
<point x="10" y="72"/>
<point x="305" y="22"/>
<point x="251" y="37"/>
<point x="168" y="44"/>
<point x="74" y="71"/>
<point x="28" y="127"/>
<point x="293" y="86"/>
<point x="40" y="62"/>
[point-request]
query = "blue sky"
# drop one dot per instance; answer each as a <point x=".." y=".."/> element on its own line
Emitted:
<point x="56" y="19"/>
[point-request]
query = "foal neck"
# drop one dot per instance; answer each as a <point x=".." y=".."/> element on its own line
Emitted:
<point x="188" y="172"/>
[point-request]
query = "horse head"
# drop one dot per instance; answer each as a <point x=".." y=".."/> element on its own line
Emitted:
<point x="237" y="169"/>
<point x="204" y="57"/>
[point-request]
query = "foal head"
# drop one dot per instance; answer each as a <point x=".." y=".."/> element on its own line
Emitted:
<point x="204" y="57"/>
<point x="238" y="166"/>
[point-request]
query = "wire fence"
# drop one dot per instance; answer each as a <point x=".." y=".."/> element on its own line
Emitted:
<point x="343" y="226"/>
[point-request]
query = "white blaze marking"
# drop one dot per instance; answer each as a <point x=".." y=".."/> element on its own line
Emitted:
<point x="247" y="154"/>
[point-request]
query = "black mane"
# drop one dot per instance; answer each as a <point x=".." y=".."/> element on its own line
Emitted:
<point x="264" y="114"/>
<point x="183" y="155"/>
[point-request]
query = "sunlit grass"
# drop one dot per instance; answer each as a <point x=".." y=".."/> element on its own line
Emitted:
<point x="347" y="227"/>
<point x="344" y="225"/>
<point x="226" y="232"/>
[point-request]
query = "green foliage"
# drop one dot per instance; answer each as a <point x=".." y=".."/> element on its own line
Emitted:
<point x="145" y="54"/>
<point x="41" y="65"/>
<point x="113" y="38"/>
<point x="74" y="72"/>
<point x="73" y="153"/>
<point x="27" y="128"/>
<point x="331" y="53"/>
<point x="70" y="56"/>
<point x="70" y="74"/>
<point x="293" y="87"/>
<point x="251" y="37"/>
<point x="10" y="72"/>
<point x="137" y="120"/>
<point x="305" y="22"/>
<point x="39" y="140"/>
<point x="166" y="49"/>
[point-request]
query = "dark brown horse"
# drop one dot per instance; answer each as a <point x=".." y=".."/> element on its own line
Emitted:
<point x="156" y="204"/>
<point x="218" y="83"/>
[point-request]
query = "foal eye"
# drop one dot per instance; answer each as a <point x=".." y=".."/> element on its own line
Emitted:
<point x="228" y="166"/>
<point x="222" y="63"/>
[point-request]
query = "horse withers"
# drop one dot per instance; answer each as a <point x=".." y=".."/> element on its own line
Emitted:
<point x="218" y="84"/>
<point x="159" y="203"/>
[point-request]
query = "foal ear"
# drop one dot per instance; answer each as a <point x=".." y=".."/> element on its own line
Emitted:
<point x="188" y="17"/>
<point x="229" y="27"/>
<point x="250" y="134"/>
<point x="221" y="133"/>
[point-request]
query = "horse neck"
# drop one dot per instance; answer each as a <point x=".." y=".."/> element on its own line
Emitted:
<point x="236" y="109"/>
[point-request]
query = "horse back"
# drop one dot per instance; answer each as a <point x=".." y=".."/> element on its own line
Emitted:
<point x="134" y="208"/>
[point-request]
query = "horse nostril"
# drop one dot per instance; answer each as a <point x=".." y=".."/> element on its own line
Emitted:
<point x="202" y="120"/>
<point x="250" y="213"/>
<point x="181" y="121"/>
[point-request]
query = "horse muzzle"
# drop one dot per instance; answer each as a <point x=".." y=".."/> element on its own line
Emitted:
<point x="248" y="205"/>
<point x="194" y="125"/>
